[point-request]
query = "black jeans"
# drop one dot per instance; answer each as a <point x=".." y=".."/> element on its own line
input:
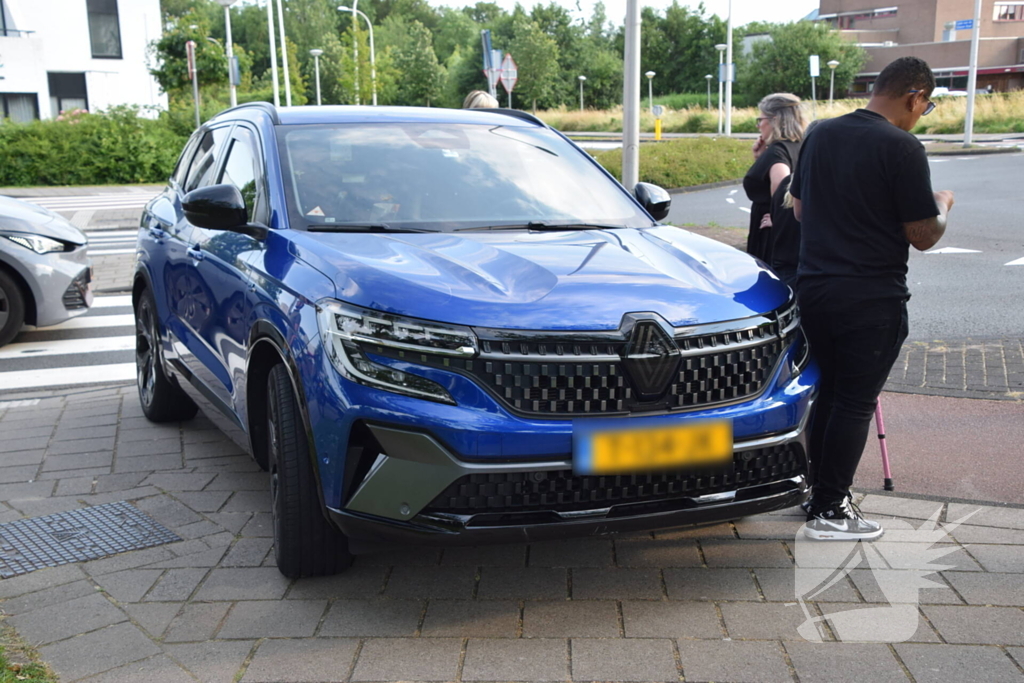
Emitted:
<point x="855" y="344"/>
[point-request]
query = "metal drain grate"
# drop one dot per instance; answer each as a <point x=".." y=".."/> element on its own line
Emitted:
<point x="75" y="536"/>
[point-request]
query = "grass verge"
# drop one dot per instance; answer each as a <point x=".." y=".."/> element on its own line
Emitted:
<point x="18" y="662"/>
<point x="686" y="162"/>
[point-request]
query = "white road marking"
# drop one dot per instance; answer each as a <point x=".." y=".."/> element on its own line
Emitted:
<point x="1017" y="262"/>
<point x="96" y="201"/>
<point x="112" y="301"/>
<point x="953" y="250"/>
<point x="111" y="233"/>
<point x="85" y="322"/>
<point x="730" y="200"/>
<point x="937" y="161"/>
<point x="733" y="191"/>
<point x="50" y="377"/>
<point x="110" y="252"/>
<point x="111" y="240"/>
<point x="63" y="347"/>
<point x="24" y="403"/>
<point x="743" y="208"/>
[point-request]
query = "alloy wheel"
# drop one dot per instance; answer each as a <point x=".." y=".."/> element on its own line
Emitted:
<point x="145" y="352"/>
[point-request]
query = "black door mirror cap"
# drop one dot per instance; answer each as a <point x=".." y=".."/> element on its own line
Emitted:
<point x="655" y="200"/>
<point x="220" y="207"/>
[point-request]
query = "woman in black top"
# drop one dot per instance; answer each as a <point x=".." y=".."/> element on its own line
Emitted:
<point x="785" y="235"/>
<point x="782" y="125"/>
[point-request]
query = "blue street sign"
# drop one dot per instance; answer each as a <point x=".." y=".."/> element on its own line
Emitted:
<point x="964" y="24"/>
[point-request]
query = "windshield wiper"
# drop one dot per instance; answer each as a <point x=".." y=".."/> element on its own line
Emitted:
<point x="541" y="225"/>
<point x="359" y="227"/>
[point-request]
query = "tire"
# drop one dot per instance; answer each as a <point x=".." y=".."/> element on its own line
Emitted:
<point x="162" y="400"/>
<point x="12" y="308"/>
<point x="305" y="543"/>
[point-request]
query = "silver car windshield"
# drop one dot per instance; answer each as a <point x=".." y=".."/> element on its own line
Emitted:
<point x="427" y="176"/>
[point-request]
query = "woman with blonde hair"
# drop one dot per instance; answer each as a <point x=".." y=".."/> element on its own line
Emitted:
<point x="478" y="99"/>
<point x="782" y="125"/>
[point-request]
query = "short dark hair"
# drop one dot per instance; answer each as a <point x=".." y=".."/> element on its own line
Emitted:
<point x="902" y="76"/>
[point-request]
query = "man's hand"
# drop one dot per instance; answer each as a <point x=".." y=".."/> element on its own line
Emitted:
<point x="944" y="199"/>
<point x="926" y="234"/>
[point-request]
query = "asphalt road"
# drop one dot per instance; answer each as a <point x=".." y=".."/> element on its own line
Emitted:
<point x="954" y="295"/>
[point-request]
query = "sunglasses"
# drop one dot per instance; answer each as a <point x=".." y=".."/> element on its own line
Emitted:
<point x="764" y="118"/>
<point x="929" y="108"/>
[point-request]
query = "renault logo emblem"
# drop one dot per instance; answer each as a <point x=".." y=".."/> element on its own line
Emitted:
<point x="650" y="358"/>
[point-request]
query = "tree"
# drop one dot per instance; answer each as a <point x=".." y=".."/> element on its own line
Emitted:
<point x="781" y="64"/>
<point x="171" y="60"/>
<point x="454" y="31"/>
<point x="421" y="77"/>
<point x="536" y="55"/>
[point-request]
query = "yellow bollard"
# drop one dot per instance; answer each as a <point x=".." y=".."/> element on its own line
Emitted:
<point x="657" y="129"/>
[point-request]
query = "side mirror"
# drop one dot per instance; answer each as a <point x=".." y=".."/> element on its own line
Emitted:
<point x="656" y="200"/>
<point x="220" y="207"/>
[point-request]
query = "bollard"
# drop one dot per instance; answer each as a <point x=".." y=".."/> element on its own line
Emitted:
<point x="657" y="129"/>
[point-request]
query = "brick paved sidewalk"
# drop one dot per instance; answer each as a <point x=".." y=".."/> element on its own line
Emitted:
<point x="716" y="603"/>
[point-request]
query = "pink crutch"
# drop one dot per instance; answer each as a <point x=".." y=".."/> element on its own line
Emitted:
<point x="880" y="423"/>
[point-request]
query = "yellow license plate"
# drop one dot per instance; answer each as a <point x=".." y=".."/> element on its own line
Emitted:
<point x="633" y="450"/>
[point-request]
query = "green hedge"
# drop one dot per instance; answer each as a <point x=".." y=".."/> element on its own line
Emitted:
<point x="115" y="147"/>
<point x="686" y="162"/>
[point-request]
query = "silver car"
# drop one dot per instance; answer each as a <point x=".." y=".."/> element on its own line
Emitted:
<point x="45" y="273"/>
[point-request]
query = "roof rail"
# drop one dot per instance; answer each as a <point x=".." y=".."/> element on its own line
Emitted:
<point x="526" y="116"/>
<point x="265" y="106"/>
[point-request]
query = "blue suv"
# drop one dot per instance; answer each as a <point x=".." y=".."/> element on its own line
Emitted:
<point x="454" y="327"/>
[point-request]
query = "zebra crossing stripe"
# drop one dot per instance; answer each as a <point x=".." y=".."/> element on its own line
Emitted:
<point x="66" y="347"/>
<point x="60" y="377"/>
<point x="87" y="321"/>
<point x="112" y="301"/>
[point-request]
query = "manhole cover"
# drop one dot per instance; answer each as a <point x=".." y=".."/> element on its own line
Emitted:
<point x="86" y="534"/>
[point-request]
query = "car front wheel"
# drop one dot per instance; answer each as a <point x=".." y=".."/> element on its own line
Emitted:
<point x="12" y="308"/>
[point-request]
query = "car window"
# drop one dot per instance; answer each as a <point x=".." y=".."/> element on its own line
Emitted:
<point x="206" y="160"/>
<point x="243" y="170"/>
<point x="185" y="161"/>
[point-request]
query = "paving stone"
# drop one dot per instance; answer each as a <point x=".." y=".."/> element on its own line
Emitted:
<point x="184" y="481"/>
<point x="198" y="621"/>
<point x="710" y="584"/>
<point x="762" y="621"/>
<point x="413" y="556"/>
<point x="320" y="661"/>
<point x="119" y="482"/>
<point x="213" y="661"/>
<point x="77" y="461"/>
<point x="957" y="663"/>
<point x="359" y="581"/>
<point x="167" y="511"/>
<point x="676" y="552"/>
<point x="13" y="475"/>
<point x="220" y="540"/>
<point x="988" y="534"/>
<point x="249" y="501"/>
<point x="987" y="588"/>
<point x="35" y="489"/>
<point x="46" y="506"/>
<point x="431" y="582"/>
<point x="20" y="444"/>
<point x="465" y="618"/>
<point x="207" y="558"/>
<point x="232" y="521"/>
<point x="198" y="451"/>
<point x="85" y="472"/>
<point x="408" y="659"/>
<point x="99" y="431"/>
<point x="40" y="579"/>
<point x="1018" y="654"/>
<point x="523" y="583"/>
<point x="237" y="481"/>
<point x="98" y="651"/>
<point x="1007" y="518"/>
<point x="203" y="501"/>
<point x="845" y="662"/>
<point x="75" y="486"/>
<point x="377" y="617"/>
<point x="998" y="558"/>
<point x="154" y="617"/>
<point x="133" y="449"/>
<point x="733" y="660"/>
<point x="247" y="552"/>
<point x="189" y="547"/>
<point x="159" y="669"/>
<point x="623" y="660"/>
<point x="779" y="585"/>
<point x="105" y="444"/>
<point x="152" y="432"/>
<point x="486" y="556"/>
<point x="574" y="552"/>
<point x="616" y="583"/>
<point x="273" y="619"/>
<point x="672" y="619"/>
<point x="66" y="619"/>
<point x="571" y="619"/>
<point x="129" y="585"/>
<point x="891" y="622"/>
<point x="255" y="583"/>
<point x="32" y="457"/>
<point x="231" y="463"/>
<point x="746" y="554"/>
<point x="878" y="506"/>
<point x="148" y="463"/>
<point x="767" y="528"/>
<point x="867" y="583"/>
<point x="522" y="659"/>
<point x="978" y="625"/>
<point x="47" y="597"/>
<point x="176" y="585"/>
<point x="198" y="529"/>
<point x="193" y="435"/>
<point x="259" y="524"/>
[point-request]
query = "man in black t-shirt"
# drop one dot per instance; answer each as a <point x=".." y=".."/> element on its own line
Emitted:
<point x="862" y="192"/>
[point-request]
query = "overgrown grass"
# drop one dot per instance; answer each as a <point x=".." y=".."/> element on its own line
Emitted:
<point x="27" y="668"/>
<point x="687" y="162"/>
<point x="995" y="113"/>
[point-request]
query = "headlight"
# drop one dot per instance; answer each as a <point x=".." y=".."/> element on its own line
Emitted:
<point x="349" y="333"/>
<point x="37" y="243"/>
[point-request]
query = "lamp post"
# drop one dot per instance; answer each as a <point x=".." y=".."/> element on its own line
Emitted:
<point x="582" y="78"/>
<point x="728" y="72"/>
<point x="721" y="60"/>
<point x="284" y="56"/>
<point x="316" y="52"/>
<point x="273" y="53"/>
<point x="832" y="64"/>
<point x="373" y="58"/>
<point x="708" y="79"/>
<point x="650" y="90"/>
<point x="230" y="50"/>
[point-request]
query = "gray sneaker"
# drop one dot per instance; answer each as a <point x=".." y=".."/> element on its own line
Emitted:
<point x="840" y="521"/>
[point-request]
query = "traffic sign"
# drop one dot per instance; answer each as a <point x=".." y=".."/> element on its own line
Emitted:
<point x="509" y="73"/>
<point x="815" y="66"/>
<point x="964" y="24"/>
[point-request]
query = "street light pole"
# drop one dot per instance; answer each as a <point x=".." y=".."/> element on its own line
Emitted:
<point x="721" y="76"/>
<point x="708" y="79"/>
<point x="316" y="52"/>
<point x="273" y="53"/>
<point x="631" y="98"/>
<point x="582" y="78"/>
<point x="284" y="56"/>
<point x="650" y="96"/>
<point x="373" y="53"/>
<point x="729" y="73"/>
<point x="832" y="64"/>
<point x="230" y="51"/>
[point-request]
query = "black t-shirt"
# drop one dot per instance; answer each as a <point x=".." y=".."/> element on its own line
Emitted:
<point x="785" y="235"/>
<point x="859" y="179"/>
<point x="758" y="186"/>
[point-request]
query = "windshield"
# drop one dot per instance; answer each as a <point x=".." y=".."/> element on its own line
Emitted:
<point x="444" y="177"/>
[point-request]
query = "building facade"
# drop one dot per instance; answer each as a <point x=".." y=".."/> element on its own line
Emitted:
<point x="927" y="29"/>
<point x="58" y="55"/>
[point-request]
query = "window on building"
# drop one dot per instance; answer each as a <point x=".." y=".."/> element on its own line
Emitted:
<point x="67" y="92"/>
<point x="1005" y="11"/>
<point x="104" y="30"/>
<point x="19" y="107"/>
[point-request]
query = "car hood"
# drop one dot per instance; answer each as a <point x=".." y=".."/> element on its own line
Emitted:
<point x="571" y="280"/>
<point x="19" y="216"/>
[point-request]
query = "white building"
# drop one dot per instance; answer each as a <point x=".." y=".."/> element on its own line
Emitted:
<point x="57" y="55"/>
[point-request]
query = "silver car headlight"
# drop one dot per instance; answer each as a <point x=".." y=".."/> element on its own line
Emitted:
<point x="350" y="332"/>
<point x="37" y="243"/>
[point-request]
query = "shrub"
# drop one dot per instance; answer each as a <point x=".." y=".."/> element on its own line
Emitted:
<point x="686" y="162"/>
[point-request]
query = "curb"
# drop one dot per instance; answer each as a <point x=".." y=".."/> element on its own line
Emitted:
<point x="706" y="186"/>
<point x="972" y="151"/>
<point x="954" y="393"/>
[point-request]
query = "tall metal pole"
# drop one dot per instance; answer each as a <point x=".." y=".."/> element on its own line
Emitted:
<point x="284" y="56"/>
<point x="373" y="52"/>
<point x="273" y="53"/>
<point x="972" y="75"/>
<point x="355" y="47"/>
<point x="708" y="79"/>
<point x="729" y="73"/>
<point x="582" y="78"/>
<point x="233" y="92"/>
<point x="193" y="72"/>
<point x="832" y="64"/>
<point x="316" y="52"/>
<point x="721" y="78"/>
<point x="631" y="98"/>
<point x="650" y="97"/>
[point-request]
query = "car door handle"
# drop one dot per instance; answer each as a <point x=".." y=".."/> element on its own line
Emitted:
<point x="157" y="233"/>
<point x="195" y="253"/>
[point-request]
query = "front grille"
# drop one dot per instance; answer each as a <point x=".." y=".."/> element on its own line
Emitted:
<point x="562" y="491"/>
<point x="75" y="295"/>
